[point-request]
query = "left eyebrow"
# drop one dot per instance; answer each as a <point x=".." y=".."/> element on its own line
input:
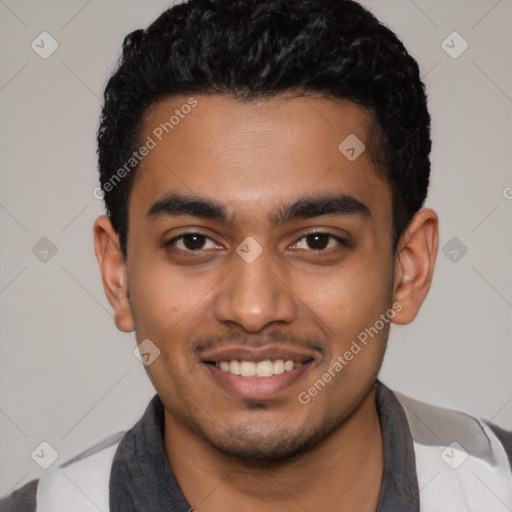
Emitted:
<point x="325" y="204"/>
<point x="302" y="208"/>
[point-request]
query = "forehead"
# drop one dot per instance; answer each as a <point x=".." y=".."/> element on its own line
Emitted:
<point x="254" y="156"/>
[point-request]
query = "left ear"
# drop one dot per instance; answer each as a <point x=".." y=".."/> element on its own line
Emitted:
<point x="414" y="264"/>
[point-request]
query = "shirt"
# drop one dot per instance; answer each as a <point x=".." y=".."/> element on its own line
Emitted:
<point x="141" y="478"/>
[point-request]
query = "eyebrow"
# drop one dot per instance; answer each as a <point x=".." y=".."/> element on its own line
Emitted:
<point x="302" y="208"/>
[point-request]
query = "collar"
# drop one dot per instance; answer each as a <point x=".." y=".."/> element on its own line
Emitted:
<point x="400" y="491"/>
<point x="141" y="479"/>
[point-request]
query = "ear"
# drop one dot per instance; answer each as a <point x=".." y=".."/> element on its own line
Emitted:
<point x="113" y="272"/>
<point x="414" y="264"/>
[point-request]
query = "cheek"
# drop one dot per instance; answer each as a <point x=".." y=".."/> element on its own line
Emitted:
<point x="168" y="307"/>
<point x="164" y="298"/>
<point x="349" y="298"/>
<point x="348" y="307"/>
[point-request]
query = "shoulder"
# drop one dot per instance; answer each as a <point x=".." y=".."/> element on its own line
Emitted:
<point x="22" y="499"/>
<point x="435" y="425"/>
<point x="457" y="456"/>
<point x="63" y="487"/>
<point x="81" y="480"/>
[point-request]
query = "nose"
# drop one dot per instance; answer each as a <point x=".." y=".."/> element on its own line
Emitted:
<point x="254" y="294"/>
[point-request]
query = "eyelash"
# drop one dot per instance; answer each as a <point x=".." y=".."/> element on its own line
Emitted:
<point x="170" y="244"/>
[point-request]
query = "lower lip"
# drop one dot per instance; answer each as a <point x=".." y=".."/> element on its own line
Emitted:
<point x="256" y="388"/>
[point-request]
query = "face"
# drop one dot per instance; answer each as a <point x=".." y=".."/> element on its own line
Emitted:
<point x="258" y="254"/>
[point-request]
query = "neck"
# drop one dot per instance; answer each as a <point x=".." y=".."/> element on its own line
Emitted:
<point x="343" y="473"/>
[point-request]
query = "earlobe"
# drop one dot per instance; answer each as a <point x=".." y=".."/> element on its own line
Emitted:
<point x="414" y="264"/>
<point x="113" y="272"/>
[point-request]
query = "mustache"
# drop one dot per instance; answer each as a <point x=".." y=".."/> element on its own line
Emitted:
<point x="244" y="340"/>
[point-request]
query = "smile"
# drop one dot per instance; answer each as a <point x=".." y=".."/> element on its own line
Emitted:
<point x="257" y="374"/>
<point x="261" y="369"/>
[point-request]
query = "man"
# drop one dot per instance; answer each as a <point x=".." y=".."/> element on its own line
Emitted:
<point x="264" y="165"/>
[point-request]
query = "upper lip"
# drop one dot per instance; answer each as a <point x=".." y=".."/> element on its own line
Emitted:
<point x="256" y="355"/>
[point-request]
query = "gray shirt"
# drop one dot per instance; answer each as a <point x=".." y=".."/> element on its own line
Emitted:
<point x="141" y="479"/>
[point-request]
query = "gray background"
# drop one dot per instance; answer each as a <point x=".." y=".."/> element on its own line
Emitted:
<point x="68" y="377"/>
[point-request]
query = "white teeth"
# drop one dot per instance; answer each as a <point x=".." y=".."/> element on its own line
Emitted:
<point x="278" y="367"/>
<point x="234" y="367"/>
<point x="264" y="369"/>
<point x="258" y="369"/>
<point x="247" y="369"/>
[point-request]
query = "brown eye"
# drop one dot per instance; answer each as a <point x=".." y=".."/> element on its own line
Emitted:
<point x="190" y="242"/>
<point x="194" y="242"/>
<point x="318" y="241"/>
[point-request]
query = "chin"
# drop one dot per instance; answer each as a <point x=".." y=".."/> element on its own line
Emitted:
<point x="268" y="446"/>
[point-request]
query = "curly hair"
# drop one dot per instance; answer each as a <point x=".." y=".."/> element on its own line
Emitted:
<point x="254" y="49"/>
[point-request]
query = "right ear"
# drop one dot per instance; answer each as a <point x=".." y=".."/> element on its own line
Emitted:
<point x="113" y="272"/>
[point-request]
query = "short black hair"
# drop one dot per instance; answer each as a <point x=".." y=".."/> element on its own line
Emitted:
<point x="253" y="49"/>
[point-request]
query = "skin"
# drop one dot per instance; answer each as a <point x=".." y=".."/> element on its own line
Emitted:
<point x="254" y="158"/>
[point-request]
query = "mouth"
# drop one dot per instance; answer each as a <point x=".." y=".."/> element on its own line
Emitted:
<point x="256" y="374"/>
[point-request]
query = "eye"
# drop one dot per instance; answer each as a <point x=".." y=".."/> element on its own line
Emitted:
<point x="319" y="242"/>
<point x="196" y="242"/>
<point x="190" y="242"/>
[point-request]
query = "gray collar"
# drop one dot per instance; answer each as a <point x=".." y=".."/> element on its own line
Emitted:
<point x="142" y="480"/>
